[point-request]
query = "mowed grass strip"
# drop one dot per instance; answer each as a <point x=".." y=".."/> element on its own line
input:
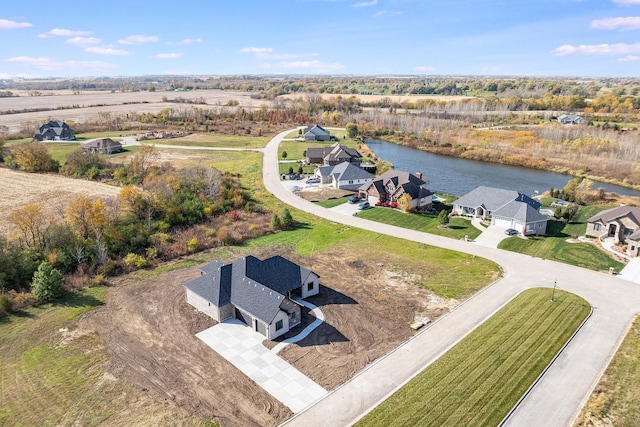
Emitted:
<point x="615" y="399"/>
<point x="214" y="140"/>
<point x="456" y="229"/>
<point x="478" y="381"/>
<point x="556" y="247"/>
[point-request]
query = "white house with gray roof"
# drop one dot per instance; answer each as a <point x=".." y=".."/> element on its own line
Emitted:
<point x="257" y="292"/>
<point x="344" y="176"/>
<point x="505" y="208"/>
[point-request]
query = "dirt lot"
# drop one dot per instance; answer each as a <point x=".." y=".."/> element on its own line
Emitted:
<point x="148" y="331"/>
<point x="141" y="102"/>
<point x="52" y="192"/>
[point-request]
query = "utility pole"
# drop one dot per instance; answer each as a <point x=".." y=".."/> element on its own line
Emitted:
<point x="553" y="294"/>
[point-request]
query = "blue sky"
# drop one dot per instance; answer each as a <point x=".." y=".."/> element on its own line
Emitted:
<point x="365" y="37"/>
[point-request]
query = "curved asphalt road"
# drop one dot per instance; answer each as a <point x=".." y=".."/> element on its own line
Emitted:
<point x="561" y="393"/>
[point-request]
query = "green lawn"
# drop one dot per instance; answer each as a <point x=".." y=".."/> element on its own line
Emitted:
<point x="333" y="202"/>
<point x="60" y="150"/>
<point x="478" y="381"/>
<point x="215" y="140"/>
<point x="41" y="382"/>
<point x="284" y="168"/>
<point x="113" y="134"/>
<point x="427" y="222"/>
<point x="554" y="245"/>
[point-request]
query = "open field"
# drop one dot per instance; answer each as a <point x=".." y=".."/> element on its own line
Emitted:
<point x="615" y="399"/>
<point x="395" y="98"/>
<point x="52" y="192"/>
<point x="478" y="381"/>
<point x="559" y="246"/>
<point x="90" y="103"/>
<point x="215" y="140"/>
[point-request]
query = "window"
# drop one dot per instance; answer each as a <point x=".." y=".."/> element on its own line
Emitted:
<point x="596" y="227"/>
<point x="293" y="315"/>
<point x="279" y="325"/>
<point x="310" y="286"/>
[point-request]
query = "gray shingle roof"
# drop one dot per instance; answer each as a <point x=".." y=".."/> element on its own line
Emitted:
<point x="345" y="171"/>
<point x="253" y="285"/>
<point x="521" y="212"/>
<point x="493" y="199"/>
<point x="613" y="214"/>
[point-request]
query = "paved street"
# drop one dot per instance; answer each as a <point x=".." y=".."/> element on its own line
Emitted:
<point x="561" y="393"/>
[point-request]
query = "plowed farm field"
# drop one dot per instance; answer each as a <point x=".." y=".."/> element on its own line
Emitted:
<point x="52" y="192"/>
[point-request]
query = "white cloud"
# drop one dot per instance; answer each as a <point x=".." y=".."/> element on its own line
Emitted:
<point x="48" y="64"/>
<point x="629" y="58"/>
<point x="166" y="55"/>
<point x="256" y="50"/>
<point x="268" y="53"/>
<point x="424" y="68"/>
<point x="597" y="49"/>
<point x="313" y="66"/>
<point x="365" y="3"/>
<point x="5" y="24"/>
<point x="387" y="13"/>
<point x="83" y="41"/>
<point x="626" y="2"/>
<point x="138" y="39"/>
<point x="62" y="32"/>
<point x="107" y="50"/>
<point x="622" y="23"/>
<point x="185" y="42"/>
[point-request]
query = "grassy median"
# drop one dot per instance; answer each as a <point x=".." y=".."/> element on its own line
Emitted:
<point x="481" y="378"/>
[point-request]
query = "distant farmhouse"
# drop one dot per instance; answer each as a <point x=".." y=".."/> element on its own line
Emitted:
<point x="393" y="184"/>
<point x="317" y="133"/>
<point x="333" y="155"/>
<point x="506" y="208"/>
<point x="103" y="146"/>
<point x="260" y="293"/>
<point x="55" y="130"/>
<point x="567" y="119"/>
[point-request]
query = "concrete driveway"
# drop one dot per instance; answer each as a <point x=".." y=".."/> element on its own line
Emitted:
<point x="572" y="377"/>
<point x="243" y="347"/>
<point x="491" y="236"/>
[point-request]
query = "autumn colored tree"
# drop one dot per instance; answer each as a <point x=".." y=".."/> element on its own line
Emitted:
<point x="143" y="160"/>
<point x="86" y="217"/>
<point x="31" y="224"/>
<point x="32" y="157"/>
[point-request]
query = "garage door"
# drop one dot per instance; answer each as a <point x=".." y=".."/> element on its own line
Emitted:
<point x="502" y="222"/>
<point x="373" y="200"/>
<point x="262" y="328"/>
<point x="244" y="317"/>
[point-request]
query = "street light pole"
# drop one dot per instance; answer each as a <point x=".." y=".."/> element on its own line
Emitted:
<point x="553" y="294"/>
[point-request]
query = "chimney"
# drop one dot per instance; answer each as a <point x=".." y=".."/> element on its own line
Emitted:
<point x="419" y="175"/>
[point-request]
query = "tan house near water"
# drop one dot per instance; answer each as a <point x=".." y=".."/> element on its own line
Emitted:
<point x="622" y="224"/>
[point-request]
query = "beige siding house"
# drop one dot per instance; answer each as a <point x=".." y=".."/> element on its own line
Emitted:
<point x="622" y="224"/>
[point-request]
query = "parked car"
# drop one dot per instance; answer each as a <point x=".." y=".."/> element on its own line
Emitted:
<point x="558" y="203"/>
<point x="294" y="176"/>
<point x="363" y="205"/>
<point x="354" y="199"/>
<point x="510" y="231"/>
<point x="313" y="180"/>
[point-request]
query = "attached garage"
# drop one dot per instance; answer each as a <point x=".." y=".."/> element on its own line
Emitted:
<point x="244" y="317"/>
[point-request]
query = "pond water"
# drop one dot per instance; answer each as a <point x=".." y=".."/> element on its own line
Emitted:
<point x="459" y="176"/>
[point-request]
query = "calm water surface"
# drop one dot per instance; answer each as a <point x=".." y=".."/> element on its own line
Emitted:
<point x="459" y="176"/>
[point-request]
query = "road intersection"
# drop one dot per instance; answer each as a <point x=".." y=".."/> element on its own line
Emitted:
<point x="560" y="394"/>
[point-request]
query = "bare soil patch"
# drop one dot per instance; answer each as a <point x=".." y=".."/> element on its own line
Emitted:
<point x="148" y="330"/>
<point x="317" y="194"/>
<point x="50" y="191"/>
